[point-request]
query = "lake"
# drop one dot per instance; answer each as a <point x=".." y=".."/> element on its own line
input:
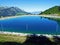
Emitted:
<point x="30" y="24"/>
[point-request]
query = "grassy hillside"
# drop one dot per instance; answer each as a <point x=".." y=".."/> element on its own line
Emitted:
<point x="8" y="39"/>
<point x="12" y="38"/>
<point x="53" y="10"/>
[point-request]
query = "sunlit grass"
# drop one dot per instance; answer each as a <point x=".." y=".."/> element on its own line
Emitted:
<point x="12" y="38"/>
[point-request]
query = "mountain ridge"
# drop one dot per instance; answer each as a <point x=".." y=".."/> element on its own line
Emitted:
<point x="52" y="10"/>
<point x="11" y="11"/>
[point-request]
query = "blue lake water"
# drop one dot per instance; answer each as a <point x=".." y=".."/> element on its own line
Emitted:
<point x="30" y="24"/>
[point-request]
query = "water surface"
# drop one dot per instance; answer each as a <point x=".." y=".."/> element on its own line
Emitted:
<point x="30" y="24"/>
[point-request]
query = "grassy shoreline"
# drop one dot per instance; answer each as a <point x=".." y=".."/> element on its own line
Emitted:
<point x="7" y="39"/>
<point x="12" y="38"/>
<point x="46" y="16"/>
<point x="26" y="34"/>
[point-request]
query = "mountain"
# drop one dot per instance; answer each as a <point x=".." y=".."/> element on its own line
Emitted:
<point x="53" y="10"/>
<point x="11" y="11"/>
<point x="36" y="12"/>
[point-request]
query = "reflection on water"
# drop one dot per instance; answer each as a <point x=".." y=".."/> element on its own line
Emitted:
<point x="30" y="24"/>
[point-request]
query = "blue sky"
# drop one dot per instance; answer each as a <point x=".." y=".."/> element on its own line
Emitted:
<point x="30" y="5"/>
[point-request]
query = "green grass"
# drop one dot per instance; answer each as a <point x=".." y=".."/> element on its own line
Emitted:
<point x="12" y="38"/>
<point x="21" y="40"/>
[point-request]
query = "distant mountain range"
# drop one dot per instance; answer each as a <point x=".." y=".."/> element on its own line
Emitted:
<point x="36" y="12"/>
<point x="11" y="11"/>
<point x="53" y="10"/>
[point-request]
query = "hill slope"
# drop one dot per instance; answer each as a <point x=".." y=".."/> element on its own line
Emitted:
<point x="11" y="11"/>
<point x="53" y="10"/>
